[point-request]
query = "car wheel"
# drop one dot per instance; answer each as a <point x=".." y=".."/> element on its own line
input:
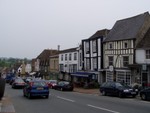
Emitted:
<point x="103" y="93"/>
<point x="47" y="96"/>
<point x="143" y="97"/>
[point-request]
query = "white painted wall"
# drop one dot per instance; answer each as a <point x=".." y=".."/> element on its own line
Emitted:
<point x="68" y="62"/>
<point x="140" y="57"/>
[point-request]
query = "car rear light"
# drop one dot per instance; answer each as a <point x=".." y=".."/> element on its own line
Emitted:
<point x="31" y="84"/>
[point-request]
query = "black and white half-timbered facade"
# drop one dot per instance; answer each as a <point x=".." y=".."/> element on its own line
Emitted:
<point x="119" y="48"/>
<point x="92" y="54"/>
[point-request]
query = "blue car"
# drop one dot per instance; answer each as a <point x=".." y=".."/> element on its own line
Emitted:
<point x="36" y="88"/>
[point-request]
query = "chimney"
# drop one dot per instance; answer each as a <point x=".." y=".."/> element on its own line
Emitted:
<point x="58" y="47"/>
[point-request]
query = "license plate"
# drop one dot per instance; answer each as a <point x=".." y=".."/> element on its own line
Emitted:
<point x="39" y="88"/>
<point x="133" y="92"/>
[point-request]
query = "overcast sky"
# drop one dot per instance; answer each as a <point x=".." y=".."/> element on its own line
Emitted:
<point x="27" y="27"/>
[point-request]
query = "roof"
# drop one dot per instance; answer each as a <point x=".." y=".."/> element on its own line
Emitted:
<point x="145" y="42"/>
<point x="68" y="50"/>
<point x="47" y="53"/>
<point x="127" y="28"/>
<point x="100" y="33"/>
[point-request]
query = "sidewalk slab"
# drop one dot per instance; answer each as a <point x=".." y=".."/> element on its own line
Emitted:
<point x="6" y="105"/>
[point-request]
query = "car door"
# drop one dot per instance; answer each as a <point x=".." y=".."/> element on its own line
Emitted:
<point x="148" y="93"/>
<point x="112" y="89"/>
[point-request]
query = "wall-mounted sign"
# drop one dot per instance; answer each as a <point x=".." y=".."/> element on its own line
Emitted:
<point x="144" y="67"/>
<point x="111" y="68"/>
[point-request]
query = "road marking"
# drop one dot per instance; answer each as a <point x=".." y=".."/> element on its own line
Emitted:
<point x="104" y="109"/>
<point x="65" y="99"/>
<point x="0" y="107"/>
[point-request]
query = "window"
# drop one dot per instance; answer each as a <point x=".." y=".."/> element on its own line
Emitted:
<point x="87" y="64"/>
<point x="80" y="59"/>
<point x="125" y="61"/>
<point x="61" y="57"/>
<point x="70" y="56"/>
<point x="110" y="46"/>
<point x="94" y="46"/>
<point x="147" y="54"/>
<point x="94" y="63"/>
<point x="110" y="60"/>
<point x="65" y="56"/>
<point x="87" y="47"/>
<point x="125" y="45"/>
<point x="75" y="56"/>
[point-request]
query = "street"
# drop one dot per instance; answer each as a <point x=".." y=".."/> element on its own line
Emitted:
<point x="74" y="102"/>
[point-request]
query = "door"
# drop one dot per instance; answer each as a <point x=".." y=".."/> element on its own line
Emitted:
<point x="144" y="79"/>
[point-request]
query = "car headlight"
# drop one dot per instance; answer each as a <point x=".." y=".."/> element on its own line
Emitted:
<point x="136" y="90"/>
<point x="126" y="90"/>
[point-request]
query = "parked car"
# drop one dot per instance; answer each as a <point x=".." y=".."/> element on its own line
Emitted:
<point x="64" y="86"/>
<point x="145" y="94"/>
<point x="12" y="80"/>
<point x="36" y="88"/>
<point x="117" y="89"/>
<point x="9" y="77"/>
<point x="18" y="83"/>
<point x="52" y="83"/>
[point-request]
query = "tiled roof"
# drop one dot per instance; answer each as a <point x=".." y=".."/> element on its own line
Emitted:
<point x="145" y="42"/>
<point x="127" y="28"/>
<point x="100" y="33"/>
<point x="68" y="50"/>
<point x="47" y="53"/>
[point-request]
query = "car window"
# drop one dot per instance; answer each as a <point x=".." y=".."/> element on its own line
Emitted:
<point x="19" y="80"/>
<point x="118" y="85"/>
<point x="39" y="83"/>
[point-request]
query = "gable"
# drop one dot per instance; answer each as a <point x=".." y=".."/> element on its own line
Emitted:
<point x="127" y="28"/>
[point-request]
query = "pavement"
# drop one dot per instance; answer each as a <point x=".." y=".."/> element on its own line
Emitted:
<point x="6" y="105"/>
<point x="87" y="91"/>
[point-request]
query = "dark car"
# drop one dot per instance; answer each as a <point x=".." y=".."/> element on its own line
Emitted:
<point x="145" y="94"/>
<point x="117" y="89"/>
<point x="64" y="86"/>
<point x="18" y="83"/>
<point x="36" y="88"/>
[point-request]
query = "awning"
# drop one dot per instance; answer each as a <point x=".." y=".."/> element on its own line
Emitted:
<point x="82" y="74"/>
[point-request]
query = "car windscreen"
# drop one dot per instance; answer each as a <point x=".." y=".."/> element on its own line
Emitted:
<point x="19" y="80"/>
<point x="39" y="83"/>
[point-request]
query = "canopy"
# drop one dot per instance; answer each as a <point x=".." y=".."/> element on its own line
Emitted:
<point x="82" y="74"/>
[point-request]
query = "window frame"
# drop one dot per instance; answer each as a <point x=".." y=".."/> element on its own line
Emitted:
<point x="110" y="61"/>
<point x="125" y="61"/>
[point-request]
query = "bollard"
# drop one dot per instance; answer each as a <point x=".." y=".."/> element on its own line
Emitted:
<point x="2" y="87"/>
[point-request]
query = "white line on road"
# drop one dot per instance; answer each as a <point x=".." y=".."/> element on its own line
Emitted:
<point x="0" y="107"/>
<point x="104" y="109"/>
<point x="65" y="99"/>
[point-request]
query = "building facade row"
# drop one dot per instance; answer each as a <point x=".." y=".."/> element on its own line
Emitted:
<point x="119" y="54"/>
